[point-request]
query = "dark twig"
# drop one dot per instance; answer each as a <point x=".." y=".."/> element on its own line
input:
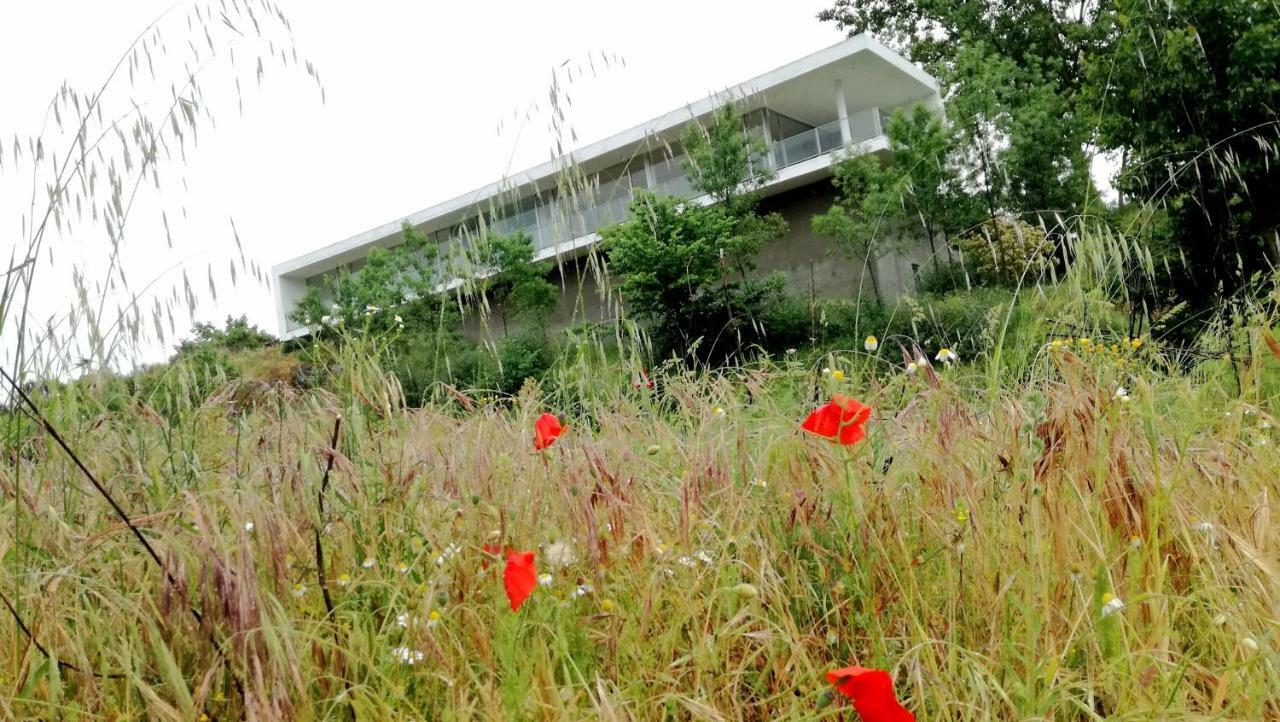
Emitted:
<point x="324" y="517"/>
<point x="31" y="637"/>
<point x="115" y="506"/>
<point x="323" y="522"/>
<point x="48" y="427"/>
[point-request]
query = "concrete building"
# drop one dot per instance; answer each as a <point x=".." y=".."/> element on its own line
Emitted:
<point x="810" y="113"/>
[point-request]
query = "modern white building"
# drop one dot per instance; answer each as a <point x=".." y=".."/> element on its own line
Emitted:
<point x="810" y="112"/>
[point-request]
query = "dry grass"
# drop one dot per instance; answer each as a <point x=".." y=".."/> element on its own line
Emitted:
<point x="966" y="546"/>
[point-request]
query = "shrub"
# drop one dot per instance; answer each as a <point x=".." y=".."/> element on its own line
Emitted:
<point x="1007" y="251"/>
<point x="968" y="322"/>
<point x="238" y="335"/>
<point x="519" y="357"/>
<point x="940" y="279"/>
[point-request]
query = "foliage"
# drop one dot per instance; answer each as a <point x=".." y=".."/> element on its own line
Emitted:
<point x="1013" y="75"/>
<point x="718" y="155"/>
<point x="923" y="157"/>
<point x="966" y="322"/>
<point x="237" y="335"/>
<point x="686" y="268"/>
<point x="1007" y="252"/>
<point x="943" y="278"/>
<point x="188" y="381"/>
<point x="918" y="190"/>
<point x="512" y="282"/>
<point x="390" y="280"/>
<point x="867" y="207"/>
<point x="1191" y="95"/>
<point x="686" y="549"/>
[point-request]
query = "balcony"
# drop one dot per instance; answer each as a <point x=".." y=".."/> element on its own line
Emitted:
<point x="778" y="155"/>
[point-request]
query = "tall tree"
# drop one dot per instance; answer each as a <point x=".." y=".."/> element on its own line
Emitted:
<point x="686" y="267"/>
<point x="1191" y="95"/>
<point x="1012" y="74"/>
<point x="920" y="184"/>
<point x="391" y="278"/>
<point x="512" y="281"/>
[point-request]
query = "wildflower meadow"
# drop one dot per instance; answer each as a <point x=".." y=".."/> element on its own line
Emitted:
<point x="877" y="535"/>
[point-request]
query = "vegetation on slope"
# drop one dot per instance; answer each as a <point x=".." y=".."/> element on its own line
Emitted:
<point x="706" y="557"/>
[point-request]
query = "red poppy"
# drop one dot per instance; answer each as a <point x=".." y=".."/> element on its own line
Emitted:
<point x="520" y="578"/>
<point x="842" y="420"/>
<point x="872" y="693"/>
<point x="545" y="431"/>
<point x="641" y="380"/>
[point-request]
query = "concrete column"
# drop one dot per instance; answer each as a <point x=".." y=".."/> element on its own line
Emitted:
<point x="842" y="112"/>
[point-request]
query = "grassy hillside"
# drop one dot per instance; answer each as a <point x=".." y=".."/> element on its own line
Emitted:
<point x="1008" y="546"/>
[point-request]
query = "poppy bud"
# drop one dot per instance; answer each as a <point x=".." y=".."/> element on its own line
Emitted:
<point x="825" y="698"/>
<point x="653" y="449"/>
<point x="747" y="591"/>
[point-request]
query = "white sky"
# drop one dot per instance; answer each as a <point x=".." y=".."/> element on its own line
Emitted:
<point x="415" y="95"/>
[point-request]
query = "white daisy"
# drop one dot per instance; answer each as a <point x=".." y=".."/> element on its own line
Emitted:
<point x="1111" y="604"/>
<point x="405" y="655"/>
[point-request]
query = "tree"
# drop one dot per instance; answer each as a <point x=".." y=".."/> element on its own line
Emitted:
<point x="514" y="284"/>
<point x="919" y="184"/>
<point x="685" y="267"/>
<point x="924" y="156"/>
<point x="1191" y="94"/>
<point x="868" y="202"/>
<point x="237" y="335"/>
<point x="391" y="278"/>
<point x="718" y="157"/>
<point x="1013" y="77"/>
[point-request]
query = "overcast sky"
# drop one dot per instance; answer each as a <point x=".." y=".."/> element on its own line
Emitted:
<point x="423" y="101"/>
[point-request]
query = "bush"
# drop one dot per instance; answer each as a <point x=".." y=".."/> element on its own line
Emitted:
<point x="185" y="382"/>
<point x="239" y="335"/>
<point x="519" y="357"/>
<point x="1006" y="251"/>
<point x="941" y="279"/>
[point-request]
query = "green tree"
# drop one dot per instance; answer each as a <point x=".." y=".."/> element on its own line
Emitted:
<point x="1013" y="77"/>
<point x="391" y="280"/>
<point x="512" y="282"/>
<point x="237" y="335"/>
<point x="868" y="204"/>
<point x="924" y="157"/>
<point x="685" y="267"/>
<point x="1190" y="94"/>
<point x="919" y="185"/>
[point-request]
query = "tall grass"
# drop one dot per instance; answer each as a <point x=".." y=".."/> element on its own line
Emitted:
<point x="967" y="546"/>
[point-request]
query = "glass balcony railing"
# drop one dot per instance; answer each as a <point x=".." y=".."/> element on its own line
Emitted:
<point x="863" y="125"/>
